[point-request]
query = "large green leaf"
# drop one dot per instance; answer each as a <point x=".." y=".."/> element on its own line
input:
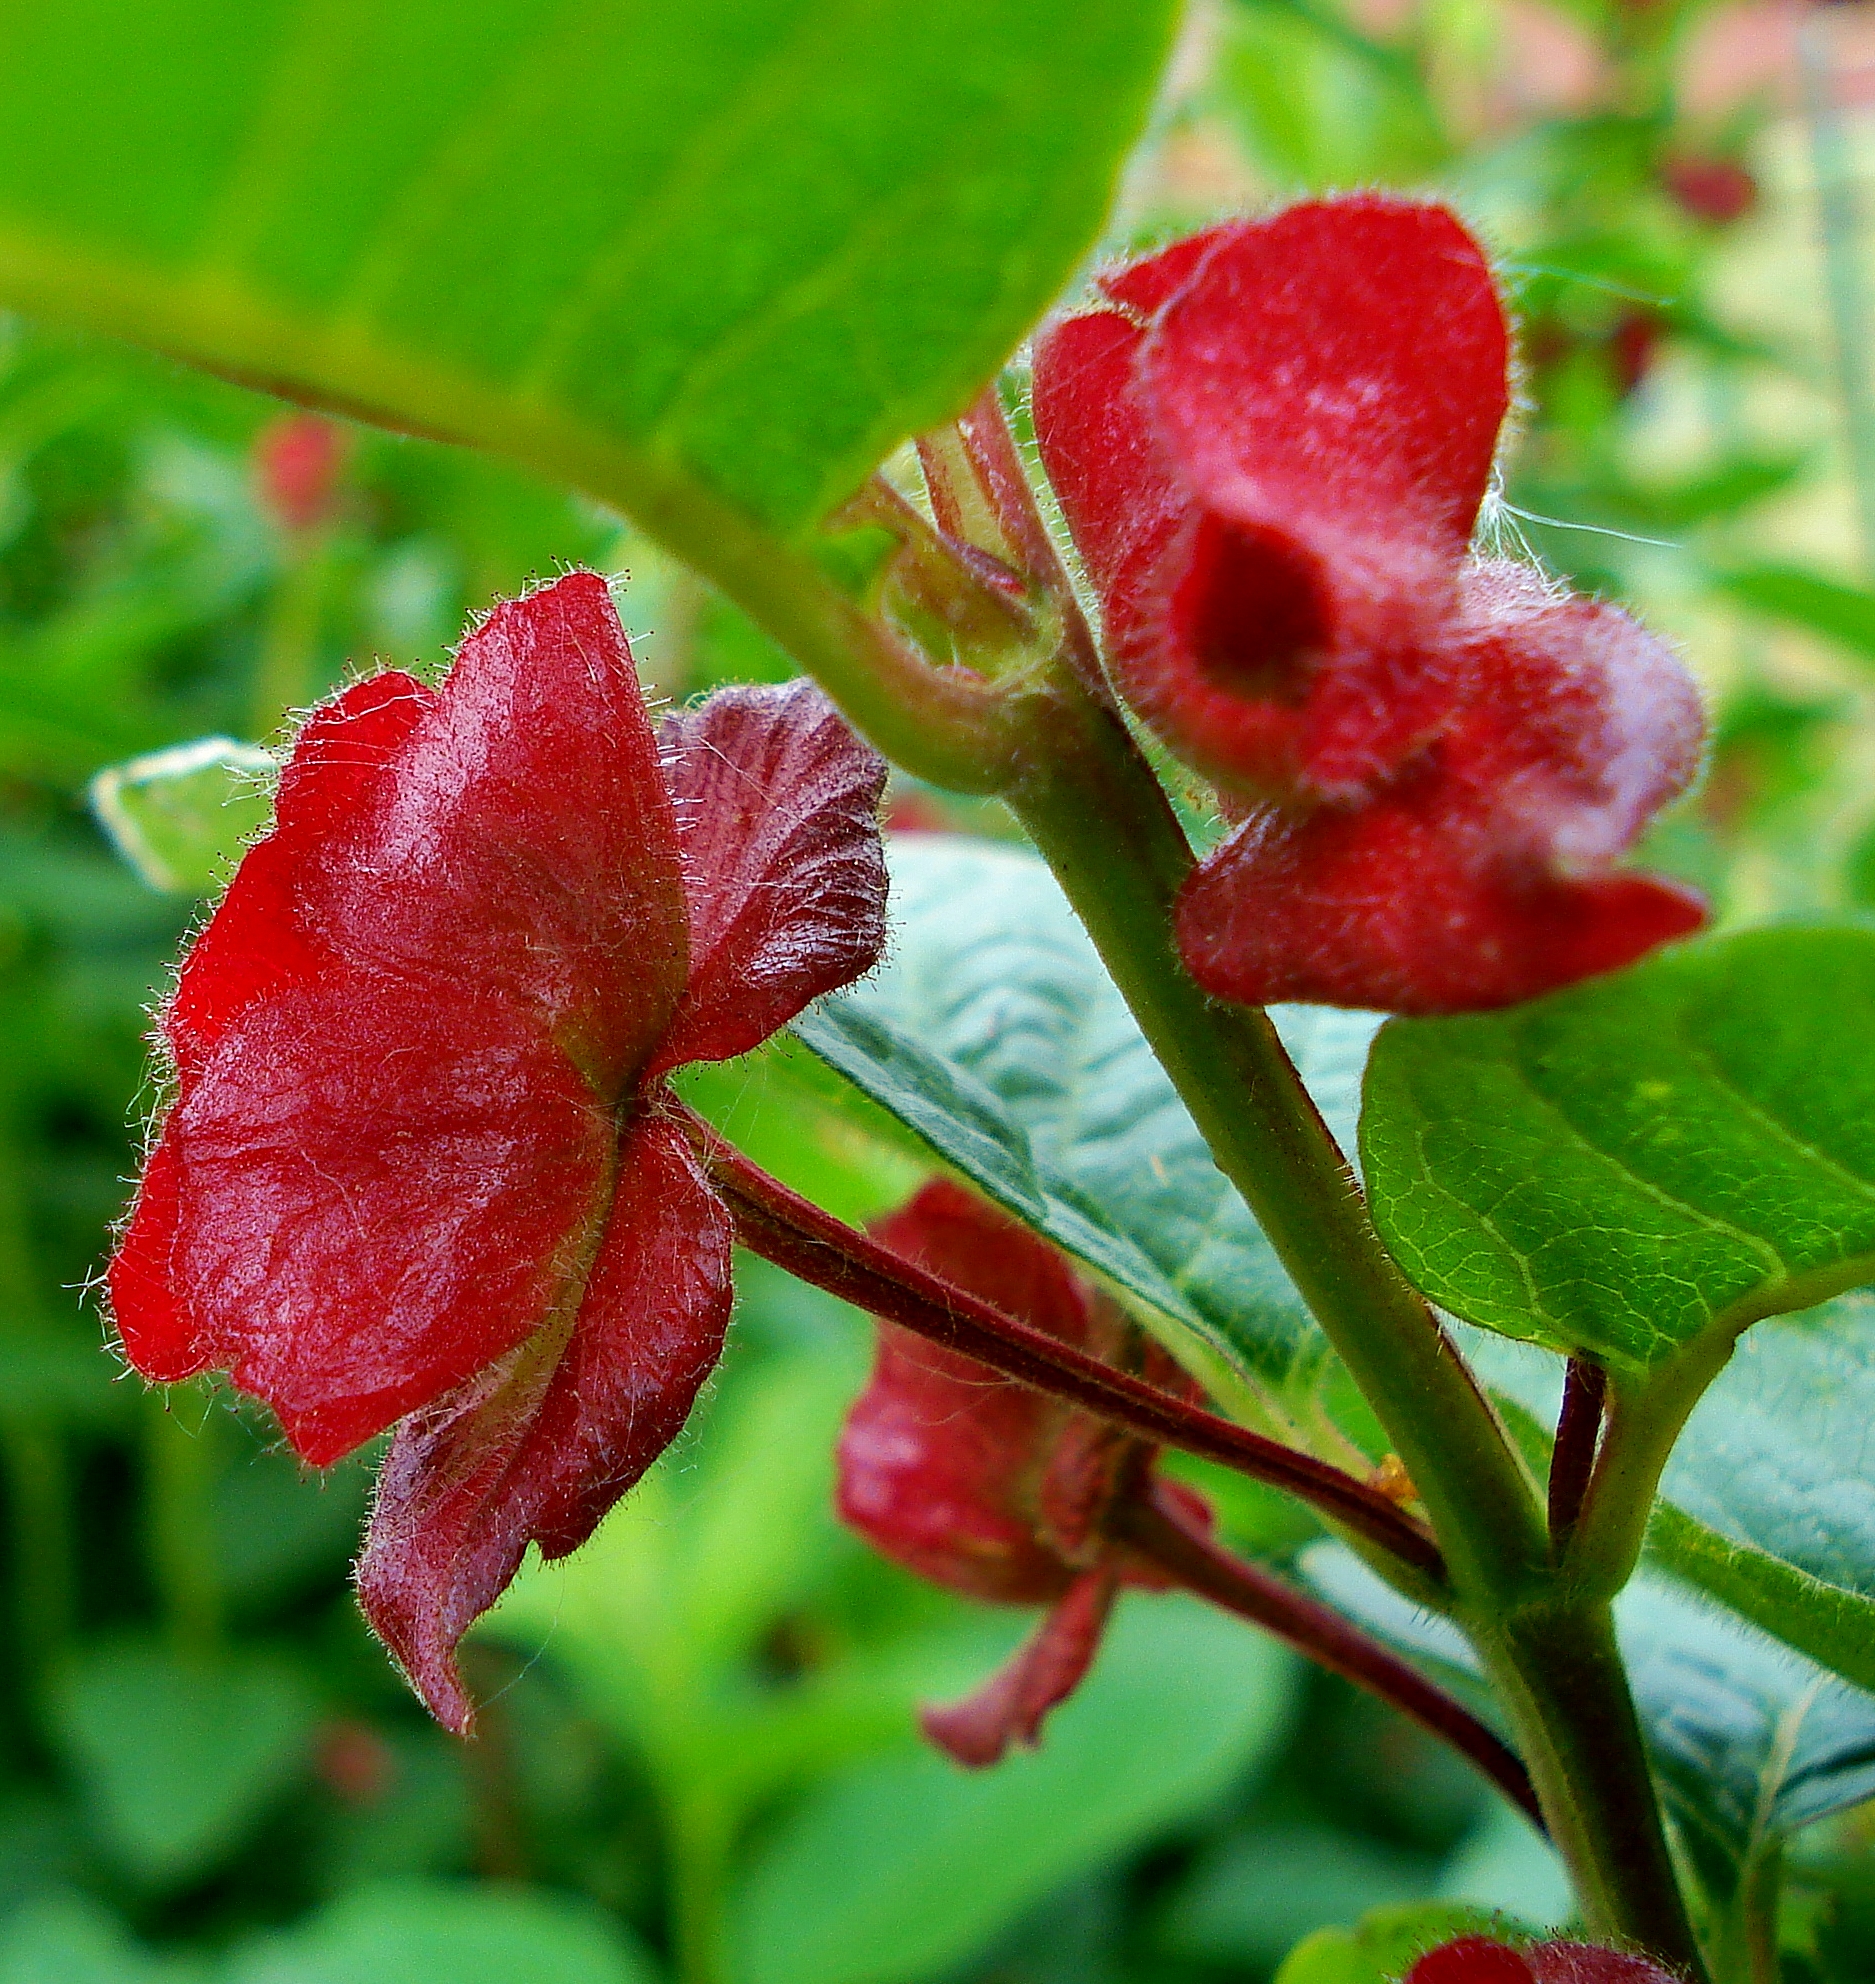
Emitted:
<point x="179" y="1759"/>
<point x="1842" y="613"/>
<point x="1624" y="1166"/>
<point x="995" y="1036"/>
<point x="731" y="250"/>
<point x="893" y="1872"/>
<point x="1751" y="1741"/>
<point x="423" y="1933"/>
<point x="1768" y="1503"/>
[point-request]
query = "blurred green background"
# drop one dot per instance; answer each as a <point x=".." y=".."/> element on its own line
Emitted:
<point x="699" y="1762"/>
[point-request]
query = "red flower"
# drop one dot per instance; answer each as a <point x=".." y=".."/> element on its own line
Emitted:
<point x="1480" y="1960"/>
<point x="297" y="460"/>
<point x="990" y="1488"/>
<point x="416" y="1168"/>
<point x="1272" y="449"/>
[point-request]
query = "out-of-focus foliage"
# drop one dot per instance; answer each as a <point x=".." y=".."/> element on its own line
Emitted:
<point x="698" y="1762"/>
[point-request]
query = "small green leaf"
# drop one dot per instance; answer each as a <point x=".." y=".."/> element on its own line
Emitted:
<point x="426" y="1933"/>
<point x="1842" y="613"/>
<point x="177" y="1760"/>
<point x="1626" y="1165"/>
<point x="181" y="817"/>
<point x="994" y="1034"/>
<point x="704" y="261"/>
<point x="898" y="1870"/>
<point x="1384" y="1945"/>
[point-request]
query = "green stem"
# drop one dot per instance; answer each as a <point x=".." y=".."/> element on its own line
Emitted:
<point x="1100" y="818"/>
<point x="1744" y="1926"/>
<point x="179" y="1460"/>
<point x="286" y="676"/>
<point x="39" y="1495"/>
<point x="1559" y="1675"/>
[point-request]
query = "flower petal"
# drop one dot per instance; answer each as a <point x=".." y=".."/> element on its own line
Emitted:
<point x="540" y="1447"/>
<point x="1383" y="907"/>
<point x="1337" y="372"/>
<point x="526" y="843"/>
<point x="784" y="872"/>
<point x="259" y="941"/>
<point x="944" y="1466"/>
<point x="379" y="1186"/>
<point x="1045" y="1670"/>
<point x="156" y="1327"/>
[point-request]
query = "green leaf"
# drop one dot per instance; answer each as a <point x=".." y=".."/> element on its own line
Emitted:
<point x="1842" y="613"/>
<point x="63" y="1938"/>
<point x="898" y="1870"/>
<point x="1622" y="1167"/>
<point x="428" y="1932"/>
<point x="1751" y="1742"/>
<point x="1385" y="1944"/>
<point x="181" y="817"/>
<point x="994" y="1034"/>
<point x="1764" y="1503"/>
<point x="178" y="1760"/>
<point x="727" y="254"/>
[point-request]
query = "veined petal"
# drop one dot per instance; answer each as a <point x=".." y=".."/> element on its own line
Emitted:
<point x="380" y="1185"/>
<point x="1011" y="1706"/>
<point x="260" y="940"/>
<point x="1384" y="906"/>
<point x="538" y="1447"/>
<point x="777" y="803"/>
<point x="527" y="843"/>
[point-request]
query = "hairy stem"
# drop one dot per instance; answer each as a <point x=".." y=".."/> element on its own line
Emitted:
<point x="796" y="1235"/>
<point x="1559" y="1674"/>
<point x="1156" y="1529"/>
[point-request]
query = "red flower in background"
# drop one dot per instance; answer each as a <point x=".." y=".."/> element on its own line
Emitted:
<point x="297" y="460"/>
<point x="987" y="1487"/>
<point x="1481" y="1960"/>
<point x="1272" y="447"/>
<point x="415" y="1168"/>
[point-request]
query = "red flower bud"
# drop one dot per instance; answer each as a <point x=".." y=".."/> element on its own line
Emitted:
<point x="1480" y="1960"/>
<point x="416" y="1167"/>
<point x="297" y="459"/>
<point x="990" y="1488"/>
<point x="1272" y="447"/>
<point x="1714" y="189"/>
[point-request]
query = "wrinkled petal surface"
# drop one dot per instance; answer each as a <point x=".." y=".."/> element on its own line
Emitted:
<point x="401" y="1040"/>
<point x="1271" y="454"/>
<point x="1481" y="876"/>
<point x="539" y="1446"/>
<point x="1484" y="1960"/>
<point x="373" y="1199"/>
<point x="1010" y="1708"/>
<point x="777" y="803"/>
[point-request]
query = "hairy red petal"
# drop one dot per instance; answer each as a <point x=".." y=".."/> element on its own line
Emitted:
<point x="1012" y="1705"/>
<point x="261" y="940"/>
<point x="379" y="1189"/>
<point x="1379" y="907"/>
<point x="1337" y="372"/>
<point x="527" y="842"/>
<point x="538" y="1447"/>
<point x="155" y="1325"/>
<point x="1271" y="458"/>
<point x="1471" y="1960"/>
<point x="1117" y="491"/>
<point x="778" y="809"/>
<point x="943" y="1465"/>
<point x="1589" y="1963"/>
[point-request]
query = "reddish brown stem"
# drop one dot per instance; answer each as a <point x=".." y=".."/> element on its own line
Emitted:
<point x="996" y="464"/>
<point x="1572" y="1460"/>
<point x="796" y="1235"/>
<point x="1156" y="1528"/>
